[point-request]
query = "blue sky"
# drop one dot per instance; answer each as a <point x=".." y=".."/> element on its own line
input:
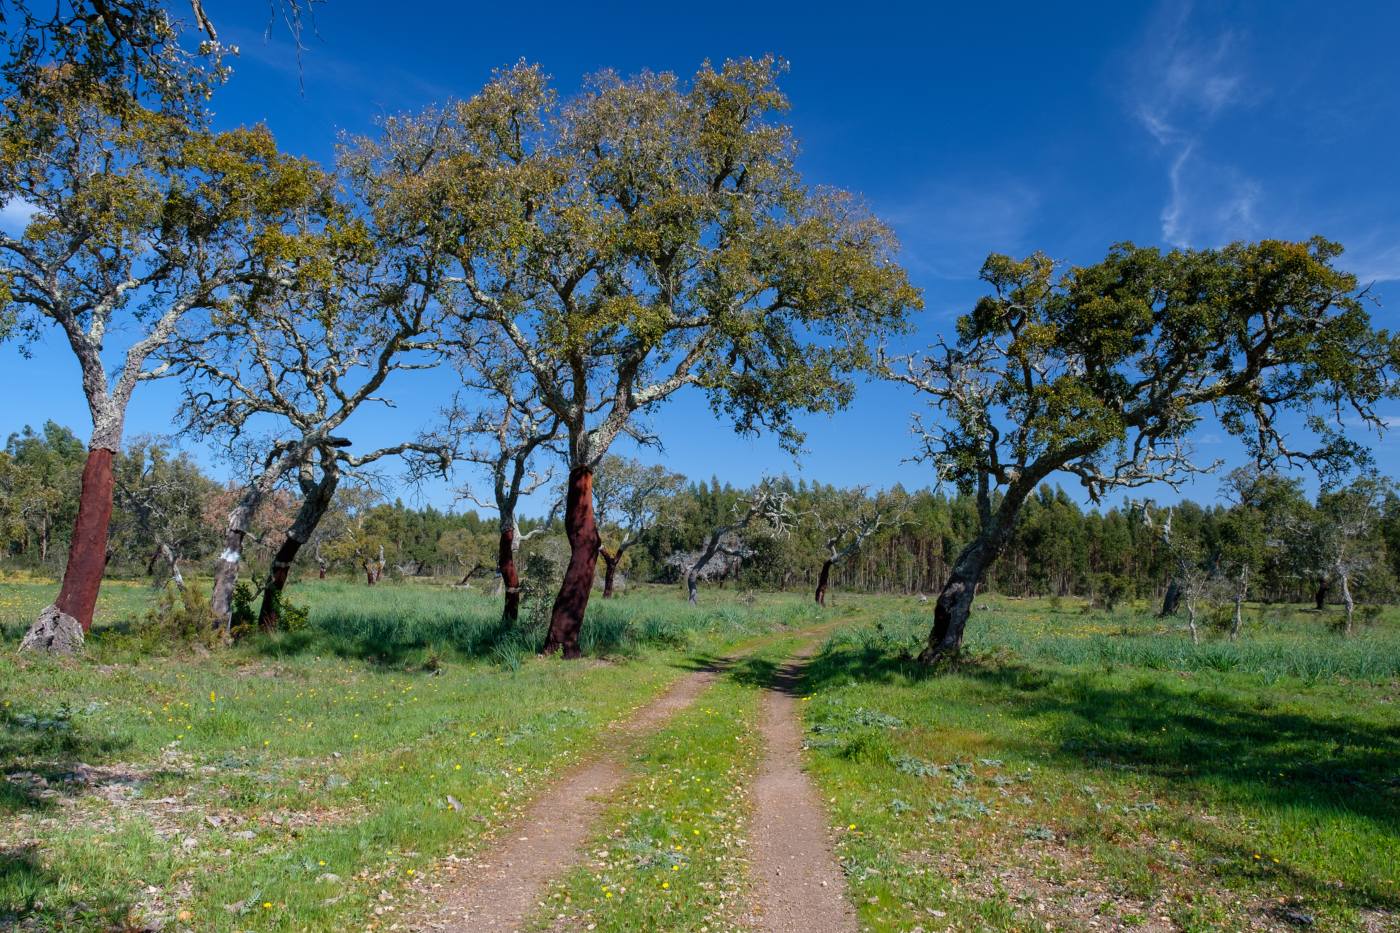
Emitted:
<point x="979" y="127"/>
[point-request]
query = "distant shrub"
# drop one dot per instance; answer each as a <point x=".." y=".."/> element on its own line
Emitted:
<point x="1112" y="589"/>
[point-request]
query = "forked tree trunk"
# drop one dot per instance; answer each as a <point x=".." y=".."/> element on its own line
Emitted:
<point x="231" y="558"/>
<point x="1324" y="586"/>
<point x="172" y="561"/>
<point x="610" y="562"/>
<point x="313" y="508"/>
<point x="822" y="579"/>
<point x="510" y="576"/>
<point x="580" y="527"/>
<point x="62" y="626"/>
<point x="692" y="586"/>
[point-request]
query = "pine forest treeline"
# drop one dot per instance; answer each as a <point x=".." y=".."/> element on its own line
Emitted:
<point x="167" y="509"/>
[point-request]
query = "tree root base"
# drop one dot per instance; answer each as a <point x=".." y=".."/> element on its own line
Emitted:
<point x="54" y="632"/>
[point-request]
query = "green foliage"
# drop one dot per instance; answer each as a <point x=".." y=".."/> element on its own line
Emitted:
<point x="244" y="605"/>
<point x="692" y="253"/>
<point x="1111" y="589"/>
<point x="180" y="619"/>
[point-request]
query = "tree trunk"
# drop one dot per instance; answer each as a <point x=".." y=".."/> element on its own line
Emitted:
<point x="822" y="580"/>
<point x="1171" y="600"/>
<point x="1324" y="586"/>
<point x="173" y="560"/>
<point x="314" y="506"/>
<point x="954" y="603"/>
<point x="566" y="620"/>
<point x="692" y="587"/>
<point x="510" y="576"/>
<point x="226" y="570"/>
<point x="69" y="619"/>
<point x="1238" y="622"/>
<point x="269" y="614"/>
<point x="1347" y="601"/>
<point x="1191" y="621"/>
<point x="610" y="562"/>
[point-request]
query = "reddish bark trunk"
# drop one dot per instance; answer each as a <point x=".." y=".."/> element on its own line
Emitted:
<point x="822" y="582"/>
<point x="268" y="615"/>
<point x="610" y="562"/>
<point x="510" y="577"/>
<point x="321" y="573"/>
<point x="566" y="620"/>
<point x="87" y="555"/>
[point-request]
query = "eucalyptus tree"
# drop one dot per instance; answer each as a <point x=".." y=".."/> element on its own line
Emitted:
<point x="139" y="218"/>
<point x="1102" y="372"/>
<point x="629" y="498"/>
<point x="648" y="236"/>
<point x="38" y="488"/>
<point x="1193" y="570"/>
<point x="850" y="520"/>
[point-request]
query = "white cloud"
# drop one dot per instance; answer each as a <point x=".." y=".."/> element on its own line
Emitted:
<point x="1183" y="81"/>
<point x="15" y="215"/>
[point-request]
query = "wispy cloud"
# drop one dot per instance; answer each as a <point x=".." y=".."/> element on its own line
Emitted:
<point x="947" y="229"/>
<point x="1374" y="262"/>
<point x="1184" y="79"/>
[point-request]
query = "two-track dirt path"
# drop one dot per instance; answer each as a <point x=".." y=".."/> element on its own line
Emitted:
<point x="499" y="888"/>
<point x="798" y="883"/>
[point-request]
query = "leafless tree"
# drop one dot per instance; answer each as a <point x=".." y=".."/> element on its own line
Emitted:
<point x="300" y="361"/>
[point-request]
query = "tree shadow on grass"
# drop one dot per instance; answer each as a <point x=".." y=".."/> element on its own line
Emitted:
<point x="31" y="898"/>
<point x="22" y="883"/>
<point x="41" y="758"/>
<point x="1207" y="742"/>
<point x="389" y="642"/>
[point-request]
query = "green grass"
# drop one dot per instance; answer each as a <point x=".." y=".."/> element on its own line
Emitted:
<point x="301" y="781"/>
<point x="1080" y="768"/>
<point x="1095" y="765"/>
